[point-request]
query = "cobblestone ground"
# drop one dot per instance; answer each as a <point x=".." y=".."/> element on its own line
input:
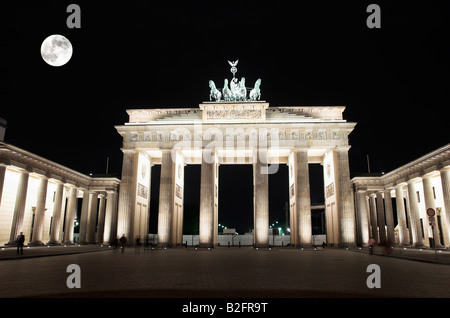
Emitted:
<point x="223" y="272"/>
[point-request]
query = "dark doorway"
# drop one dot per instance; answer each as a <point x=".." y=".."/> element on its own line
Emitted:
<point x="236" y="197"/>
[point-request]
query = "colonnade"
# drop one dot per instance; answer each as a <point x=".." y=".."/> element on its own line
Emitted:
<point x="170" y="209"/>
<point x="413" y="195"/>
<point x="37" y="196"/>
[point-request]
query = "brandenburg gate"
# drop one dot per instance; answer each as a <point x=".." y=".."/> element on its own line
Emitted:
<point x="235" y="128"/>
<point x="235" y="132"/>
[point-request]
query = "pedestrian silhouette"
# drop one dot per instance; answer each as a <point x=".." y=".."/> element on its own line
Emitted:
<point x="115" y="243"/>
<point x="20" y="240"/>
<point x="371" y="245"/>
<point x="137" y="248"/>
<point x="123" y="242"/>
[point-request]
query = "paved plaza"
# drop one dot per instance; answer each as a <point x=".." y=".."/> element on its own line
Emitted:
<point x="222" y="273"/>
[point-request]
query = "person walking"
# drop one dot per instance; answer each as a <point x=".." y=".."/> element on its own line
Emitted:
<point x="115" y="244"/>
<point x="371" y="245"/>
<point x="123" y="242"/>
<point x="20" y="240"/>
<point x="137" y="248"/>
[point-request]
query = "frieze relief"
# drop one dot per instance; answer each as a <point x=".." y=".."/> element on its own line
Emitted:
<point x="238" y="134"/>
<point x="234" y="114"/>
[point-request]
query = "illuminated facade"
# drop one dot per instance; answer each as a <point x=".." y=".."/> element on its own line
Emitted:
<point x="411" y="190"/>
<point x="39" y="198"/>
<point x="233" y="132"/>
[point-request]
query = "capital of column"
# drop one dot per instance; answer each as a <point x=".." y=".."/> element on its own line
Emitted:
<point x="430" y="174"/>
<point x="361" y="190"/>
<point x="401" y="185"/>
<point x="128" y="151"/>
<point x="342" y="148"/>
<point x="39" y="176"/>
<point x="414" y="180"/>
<point x="444" y="169"/>
<point x="300" y="149"/>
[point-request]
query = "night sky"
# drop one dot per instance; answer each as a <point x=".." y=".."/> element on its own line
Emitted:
<point x="394" y="81"/>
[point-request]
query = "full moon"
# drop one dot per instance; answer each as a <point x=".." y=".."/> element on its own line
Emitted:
<point x="56" y="50"/>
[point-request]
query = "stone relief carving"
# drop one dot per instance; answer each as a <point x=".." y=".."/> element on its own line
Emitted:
<point x="234" y="114"/>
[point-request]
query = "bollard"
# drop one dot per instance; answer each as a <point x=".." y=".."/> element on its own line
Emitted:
<point x="228" y="244"/>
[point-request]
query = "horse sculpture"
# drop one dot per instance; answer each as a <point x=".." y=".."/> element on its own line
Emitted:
<point x="255" y="93"/>
<point x="238" y="89"/>
<point x="227" y="95"/>
<point x="242" y="89"/>
<point x="214" y="92"/>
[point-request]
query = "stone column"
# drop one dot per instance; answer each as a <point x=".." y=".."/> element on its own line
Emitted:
<point x="303" y="199"/>
<point x="415" y="229"/>
<point x="40" y="212"/>
<point x="108" y="234"/>
<point x="19" y="207"/>
<point x="261" y="199"/>
<point x="401" y="216"/>
<point x="92" y="221"/>
<point x="373" y="217"/>
<point x="381" y="219"/>
<point x="127" y="194"/>
<point x="344" y="192"/>
<point x="56" y="221"/>
<point x="363" y="228"/>
<point x="166" y="199"/>
<point x="430" y="203"/>
<point x="206" y="226"/>
<point x="84" y="217"/>
<point x="445" y="212"/>
<point x="2" y="179"/>
<point x="101" y="218"/>
<point x="389" y="217"/>
<point x="70" y="216"/>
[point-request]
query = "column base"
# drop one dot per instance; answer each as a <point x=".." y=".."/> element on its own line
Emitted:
<point x="206" y="245"/>
<point x="347" y="245"/>
<point x="54" y="243"/>
<point x="261" y="245"/>
<point x="68" y="243"/>
<point x="36" y="243"/>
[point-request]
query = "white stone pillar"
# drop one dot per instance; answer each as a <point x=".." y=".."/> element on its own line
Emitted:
<point x="345" y="203"/>
<point x="92" y="221"/>
<point x="19" y="207"/>
<point x="84" y="217"/>
<point x="101" y="218"/>
<point x="108" y="234"/>
<point x="416" y="230"/>
<point x="127" y="194"/>
<point x="40" y="212"/>
<point x="56" y="221"/>
<point x="206" y="226"/>
<point x="2" y="179"/>
<point x="445" y="212"/>
<point x="261" y="199"/>
<point x="166" y="199"/>
<point x="363" y="218"/>
<point x="401" y="216"/>
<point x="70" y="216"/>
<point x="381" y="219"/>
<point x="430" y="203"/>
<point x="303" y="199"/>
<point x="373" y="217"/>
<point x="389" y="211"/>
